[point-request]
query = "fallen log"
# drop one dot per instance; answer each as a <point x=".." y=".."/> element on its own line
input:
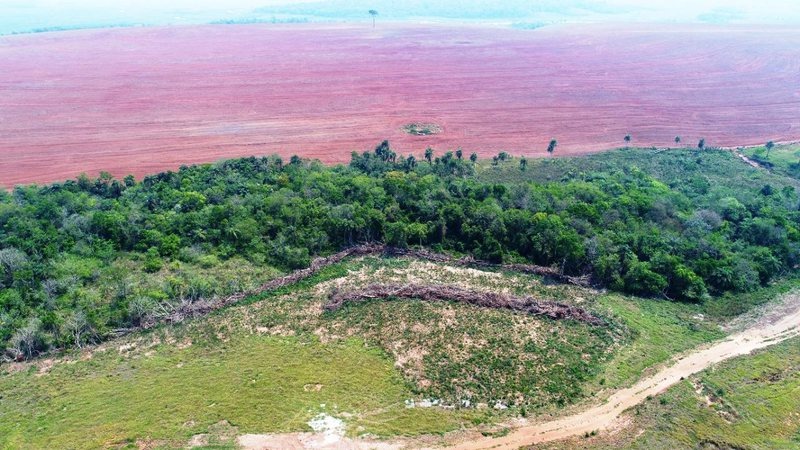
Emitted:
<point x="440" y="292"/>
<point x="188" y="309"/>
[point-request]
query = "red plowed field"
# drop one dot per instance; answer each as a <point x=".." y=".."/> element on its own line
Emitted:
<point x="140" y="100"/>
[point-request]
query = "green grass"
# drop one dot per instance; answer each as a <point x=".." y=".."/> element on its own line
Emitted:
<point x="256" y="383"/>
<point x="749" y="402"/>
<point x="755" y="405"/>
<point x="450" y="351"/>
<point x="657" y="330"/>
<point x="690" y="171"/>
<point x="782" y="158"/>
<point x="422" y="129"/>
<point x="728" y="306"/>
<point x="253" y="368"/>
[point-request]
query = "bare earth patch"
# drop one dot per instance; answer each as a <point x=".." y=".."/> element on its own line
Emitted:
<point x="328" y="435"/>
<point x="142" y="99"/>
<point x="769" y="330"/>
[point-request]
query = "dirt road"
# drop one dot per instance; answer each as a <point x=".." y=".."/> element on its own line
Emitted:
<point x="780" y="321"/>
<point x="779" y="325"/>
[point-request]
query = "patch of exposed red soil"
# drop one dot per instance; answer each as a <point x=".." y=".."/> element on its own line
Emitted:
<point x="140" y="100"/>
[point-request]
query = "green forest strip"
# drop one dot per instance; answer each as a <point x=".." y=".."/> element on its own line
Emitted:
<point x="693" y="226"/>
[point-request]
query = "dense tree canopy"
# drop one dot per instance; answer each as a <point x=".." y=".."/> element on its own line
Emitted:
<point x="631" y="232"/>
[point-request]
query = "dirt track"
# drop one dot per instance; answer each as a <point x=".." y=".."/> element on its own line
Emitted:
<point x="772" y="329"/>
<point x="780" y="322"/>
<point x="141" y="100"/>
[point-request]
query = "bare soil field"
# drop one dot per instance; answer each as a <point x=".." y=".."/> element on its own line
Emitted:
<point x="140" y="100"/>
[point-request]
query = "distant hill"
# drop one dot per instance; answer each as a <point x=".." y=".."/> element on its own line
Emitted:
<point x="467" y="9"/>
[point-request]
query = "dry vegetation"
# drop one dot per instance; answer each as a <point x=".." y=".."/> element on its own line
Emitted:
<point x="194" y="308"/>
<point x="439" y="293"/>
<point x="476" y="360"/>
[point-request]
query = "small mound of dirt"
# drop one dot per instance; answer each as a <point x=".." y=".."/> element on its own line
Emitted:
<point x="422" y="129"/>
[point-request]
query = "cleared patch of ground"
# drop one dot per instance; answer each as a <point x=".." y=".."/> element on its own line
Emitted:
<point x="142" y="100"/>
<point x="764" y="333"/>
<point x="274" y="363"/>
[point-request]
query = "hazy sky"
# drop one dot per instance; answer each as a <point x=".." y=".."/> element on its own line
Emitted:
<point x="24" y="15"/>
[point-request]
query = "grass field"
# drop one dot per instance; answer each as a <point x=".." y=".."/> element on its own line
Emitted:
<point x="751" y="402"/>
<point x="781" y="158"/>
<point x="691" y="171"/>
<point x="273" y="364"/>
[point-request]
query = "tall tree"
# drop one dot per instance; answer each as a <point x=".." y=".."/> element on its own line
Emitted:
<point x="769" y="146"/>
<point x="373" y="13"/>
<point x="473" y="157"/>
<point x="677" y="140"/>
<point x="429" y="155"/>
<point x="411" y="162"/>
<point x="702" y="143"/>
<point x="627" y="139"/>
<point x="459" y="153"/>
<point x="523" y="163"/>
<point x="552" y="147"/>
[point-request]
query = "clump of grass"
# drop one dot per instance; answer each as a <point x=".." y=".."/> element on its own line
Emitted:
<point x="422" y="129"/>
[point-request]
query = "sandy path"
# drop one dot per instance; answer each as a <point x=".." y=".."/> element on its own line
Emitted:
<point x="781" y="324"/>
<point x="778" y="322"/>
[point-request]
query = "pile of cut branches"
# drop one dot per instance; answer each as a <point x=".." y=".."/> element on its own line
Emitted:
<point x="441" y="292"/>
<point x="188" y="309"/>
<point x="173" y="313"/>
<point x="469" y="261"/>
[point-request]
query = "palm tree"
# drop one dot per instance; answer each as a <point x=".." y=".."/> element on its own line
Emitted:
<point x="459" y="153"/>
<point x="552" y="147"/>
<point x="411" y="162"/>
<point x="429" y="155"/>
<point x="677" y="140"/>
<point x="523" y="163"/>
<point x="373" y="13"/>
<point x="702" y="143"/>
<point x="473" y="157"/>
<point x="627" y="139"/>
<point x="769" y="146"/>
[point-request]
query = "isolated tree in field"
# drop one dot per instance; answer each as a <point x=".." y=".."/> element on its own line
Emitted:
<point x="769" y="146"/>
<point x="373" y="13"/>
<point x="429" y="155"/>
<point x="627" y="139"/>
<point x="677" y="140"/>
<point x="473" y="157"/>
<point x="523" y="163"/>
<point x="552" y="147"/>
<point x="701" y="144"/>
<point x="459" y="153"/>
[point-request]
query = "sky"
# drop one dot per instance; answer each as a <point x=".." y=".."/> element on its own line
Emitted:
<point x="27" y="15"/>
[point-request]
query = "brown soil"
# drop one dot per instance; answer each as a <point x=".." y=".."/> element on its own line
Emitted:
<point x="142" y="100"/>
